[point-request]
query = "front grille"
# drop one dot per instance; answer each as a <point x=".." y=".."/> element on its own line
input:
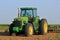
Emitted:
<point x="17" y="23"/>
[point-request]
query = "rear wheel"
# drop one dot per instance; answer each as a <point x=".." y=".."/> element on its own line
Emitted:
<point x="43" y="26"/>
<point x="29" y="29"/>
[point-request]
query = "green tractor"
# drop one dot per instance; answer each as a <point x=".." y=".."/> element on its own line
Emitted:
<point x="28" y="23"/>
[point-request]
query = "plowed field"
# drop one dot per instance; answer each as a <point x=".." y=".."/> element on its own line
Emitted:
<point x="48" y="36"/>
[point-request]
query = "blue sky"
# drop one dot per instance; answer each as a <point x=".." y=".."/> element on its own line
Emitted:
<point x="49" y="9"/>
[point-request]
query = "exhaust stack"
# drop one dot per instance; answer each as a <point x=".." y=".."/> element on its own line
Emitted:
<point x="19" y="11"/>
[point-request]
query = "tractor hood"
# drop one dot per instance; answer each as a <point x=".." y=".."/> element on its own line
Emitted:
<point x="21" y="19"/>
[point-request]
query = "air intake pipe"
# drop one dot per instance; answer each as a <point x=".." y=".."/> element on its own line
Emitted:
<point x="19" y="11"/>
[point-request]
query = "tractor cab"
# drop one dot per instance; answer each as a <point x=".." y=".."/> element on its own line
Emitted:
<point x="30" y="12"/>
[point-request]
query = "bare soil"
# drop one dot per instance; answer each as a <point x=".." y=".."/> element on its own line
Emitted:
<point x="5" y="36"/>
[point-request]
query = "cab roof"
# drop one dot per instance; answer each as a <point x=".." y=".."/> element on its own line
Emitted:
<point x="28" y="8"/>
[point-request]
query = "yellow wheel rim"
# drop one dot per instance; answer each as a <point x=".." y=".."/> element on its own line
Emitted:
<point x="30" y="30"/>
<point x="45" y="27"/>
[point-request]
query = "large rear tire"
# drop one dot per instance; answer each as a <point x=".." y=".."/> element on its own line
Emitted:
<point x="29" y="29"/>
<point x="43" y="26"/>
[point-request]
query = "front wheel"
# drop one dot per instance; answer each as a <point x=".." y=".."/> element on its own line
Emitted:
<point x="43" y="26"/>
<point x="29" y="29"/>
<point x="11" y="33"/>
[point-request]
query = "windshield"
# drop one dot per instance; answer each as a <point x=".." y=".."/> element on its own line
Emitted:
<point x="26" y="12"/>
<point x="29" y="13"/>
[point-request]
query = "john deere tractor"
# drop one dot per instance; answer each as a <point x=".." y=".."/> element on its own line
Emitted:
<point x="28" y="23"/>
